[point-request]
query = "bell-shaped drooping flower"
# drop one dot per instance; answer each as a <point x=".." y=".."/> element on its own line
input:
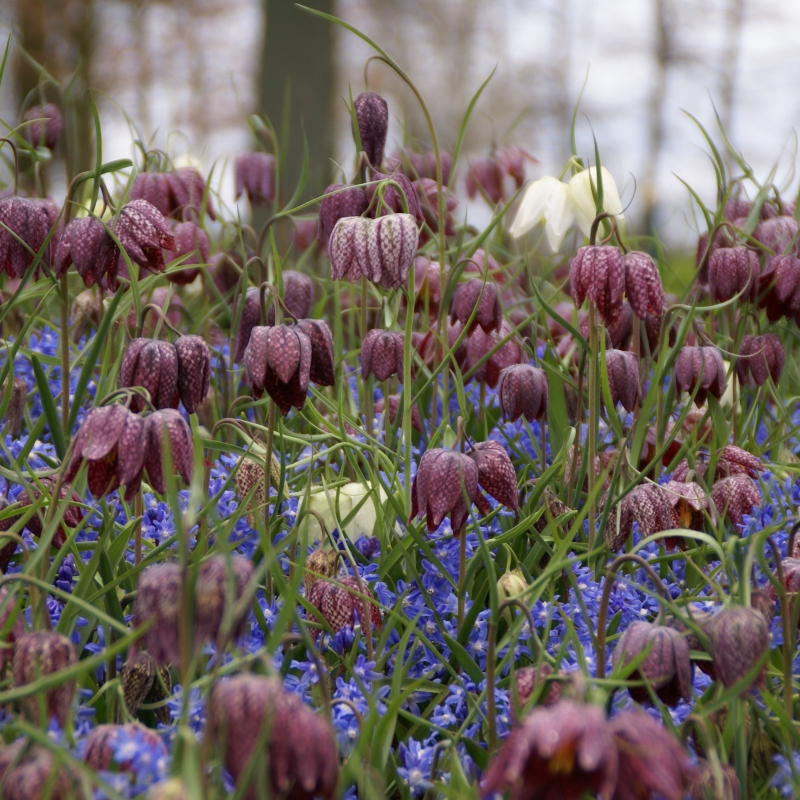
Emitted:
<point x="666" y="667"/>
<point x="395" y="406"/>
<point x="32" y="772"/>
<point x="158" y="601"/>
<point x="446" y="483"/>
<point x="739" y="638"/>
<point x="211" y="597"/>
<point x="103" y="746"/>
<point x="485" y="177"/>
<point x="39" y="654"/>
<point x="43" y="126"/>
<point x="652" y="762"/>
<point x="112" y="439"/>
<point x="168" y="424"/>
<point x="319" y="334"/>
<point x="355" y="502"/>
<point x="298" y="295"/>
<point x="25" y="221"/>
<point x="624" y="381"/>
<point x="565" y="751"/>
<point x="480" y="343"/>
<point x="598" y="273"/>
<point x="523" y="391"/>
<point x="190" y="241"/>
<point x="689" y="505"/>
<point x="731" y="460"/>
<point x="734" y="497"/>
<point x="382" y="354"/>
<point x="154" y="188"/>
<point x="339" y="201"/>
<point x="251" y="717"/>
<point x="779" y="286"/>
<point x="347" y="248"/>
<point x="643" y="285"/>
<point x="388" y="199"/>
<point x="428" y="195"/>
<point x="255" y="174"/>
<point x="338" y="601"/>
<point x="143" y="681"/>
<point x="731" y="271"/>
<point x="618" y="333"/>
<point x="87" y="244"/>
<point x="703" y="366"/>
<point x="760" y="357"/>
<point x="529" y="679"/>
<point x="391" y="246"/>
<point x="513" y="160"/>
<point x="250" y="476"/>
<point x="648" y="505"/>
<point x="194" y="370"/>
<point x="777" y="234"/>
<point x="481" y="297"/>
<point x="187" y="189"/>
<point x="558" y="205"/>
<point x="496" y="474"/>
<point x="421" y="165"/>
<point x="72" y="513"/>
<point x="372" y="118"/>
<point x="278" y="360"/>
<point x="143" y="232"/>
<point x="153" y="365"/>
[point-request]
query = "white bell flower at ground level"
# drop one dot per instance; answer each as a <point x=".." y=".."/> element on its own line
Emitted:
<point x="558" y="205"/>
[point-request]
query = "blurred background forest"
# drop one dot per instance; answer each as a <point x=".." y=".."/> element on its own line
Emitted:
<point x="185" y="74"/>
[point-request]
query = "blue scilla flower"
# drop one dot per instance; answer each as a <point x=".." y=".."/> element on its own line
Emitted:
<point x="787" y="776"/>
<point x="417" y="763"/>
<point x="66" y="574"/>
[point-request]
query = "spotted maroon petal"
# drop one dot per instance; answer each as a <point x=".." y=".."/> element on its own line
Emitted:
<point x="391" y="246"/>
<point x="251" y="317"/>
<point x="735" y="496"/>
<point x="283" y="351"/>
<point x="255" y="174"/>
<point x="187" y="188"/>
<point x="496" y="474"/>
<point x="298" y="295"/>
<point x="624" y="382"/>
<point x="485" y="174"/>
<point x="523" y="391"/>
<point x="339" y="201"/>
<point x="143" y="232"/>
<point x="732" y="270"/>
<point x="30" y="222"/>
<point x="85" y="243"/>
<point x="475" y="294"/>
<point x="103" y="427"/>
<point x="382" y="354"/>
<point x="156" y="369"/>
<point x="194" y="371"/>
<point x="643" y="284"/>
<point x="347" y="248"/>
<point x="322" y="366"/>
<point x="393" y="198"/>
<point x="170" y="425"/>
<point x="255" y="356"/>
<point x="154" y="188"/>
<point x="395" y="406"/>
<point x="130" y="454"/>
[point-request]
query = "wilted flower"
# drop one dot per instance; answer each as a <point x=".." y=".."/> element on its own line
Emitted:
<point x="30" y="222"/>
<point x="382" y="354"/>
<point x="337" y="601"/>
<point x="496" y="474"/>
<point x="649" y="505"/>
<point x="558" y="205"/>
<point x="302" y="759"/>
<point x="760" y="356"/>
<point x="255" y="174"/>
<point x="144" y="682"/>
<point x="39" y="654"/>
<point x="143" y="232"/>
<point x="153" y="365"/>
<point x="44" y="127"/>
<point x="624" y="382"/>
<point x="16" y="405"/>
<point x="372" y="118"/>
<point x="278" y="359"/>
<point x="652" y="763"/>
<point x="480" y="297"/>
<point x="31" y="772"/>
<point x="523" y="391"/>
<point x="666" y="667"/>
<point x="564" y="751"/>
<point x="395" y="406"/>
<point x="192" y="241"/>
<point x="733" y="270"/>
<point x="703" y="365"/>
<point x="112" y="439"/>
<point x="446" y="483"/>
<point x="705" y="782"/>
<point x="102" y="743"/>
<point x="598" y="273"/>
<point x="480" y="343"/>
<point x="87" y="244"/>
<point x="735" y="496"/>
<point x="643" y="285"/>
<point x="739" y="638"/>
<point x="339" y="201"/>
<point x="168" y="424"/>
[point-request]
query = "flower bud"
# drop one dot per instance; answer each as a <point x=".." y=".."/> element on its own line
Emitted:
<point x="319" y="565"/>
<point x="37" y="655"/>
<point x="372" y="118"/>
<point x="511" y="584"/>
<point x="44" y="127"/>
<point x="194" y="370"/>
<point x="529" y="679"/>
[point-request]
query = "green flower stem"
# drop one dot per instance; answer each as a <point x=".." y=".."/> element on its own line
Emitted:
<point x="65" y="355"/>
<point x="593" y="410"/>
<point x="407" y="393"/>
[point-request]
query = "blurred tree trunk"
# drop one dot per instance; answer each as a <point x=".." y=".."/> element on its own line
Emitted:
<point x="730" y="61"/>
<point x="297" y="75"/>
<point x="59" y="36"/>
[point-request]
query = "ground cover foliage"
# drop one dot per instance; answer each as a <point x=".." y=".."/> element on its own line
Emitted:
<point x="363" y="501"/>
